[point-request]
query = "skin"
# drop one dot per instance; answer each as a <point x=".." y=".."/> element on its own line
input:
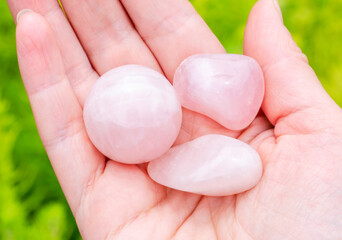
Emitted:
<point x="298" y="134"/>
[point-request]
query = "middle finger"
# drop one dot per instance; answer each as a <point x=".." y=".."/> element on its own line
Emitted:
<point x="107" y="34"/>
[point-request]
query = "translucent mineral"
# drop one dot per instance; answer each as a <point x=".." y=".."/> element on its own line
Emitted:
<point x="132" y="114"/>
<point x="225" y="87"/>
<point x="212" y="165"/>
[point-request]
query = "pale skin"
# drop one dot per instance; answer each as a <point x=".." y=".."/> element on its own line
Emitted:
<point x="298" y="134"/>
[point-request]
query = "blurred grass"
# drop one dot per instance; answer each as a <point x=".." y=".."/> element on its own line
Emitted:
<point x="32" y="205"/>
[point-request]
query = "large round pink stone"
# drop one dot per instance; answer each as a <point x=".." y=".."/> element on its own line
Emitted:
<point x="132" y="114"/>
<point x="228" y="88"/>
<point x="213" y="165"/>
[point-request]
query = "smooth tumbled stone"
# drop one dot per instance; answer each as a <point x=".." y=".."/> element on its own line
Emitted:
<point x="228" y="88"/>
<point x="132" y="114"/>
<point x="213" y="165"/>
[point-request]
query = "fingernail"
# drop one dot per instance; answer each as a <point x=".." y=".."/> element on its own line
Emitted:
<point x="278" y="9"/>
<point x="22" y="12"/>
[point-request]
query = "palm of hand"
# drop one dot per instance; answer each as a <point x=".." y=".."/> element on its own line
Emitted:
<point x="300" y="173"/>
<point x="114" y="201"/>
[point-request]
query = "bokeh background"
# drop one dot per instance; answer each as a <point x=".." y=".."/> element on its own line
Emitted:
<point x="32" y="205"/>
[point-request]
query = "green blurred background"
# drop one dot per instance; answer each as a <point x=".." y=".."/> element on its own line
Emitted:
<point x="32" y="205"/>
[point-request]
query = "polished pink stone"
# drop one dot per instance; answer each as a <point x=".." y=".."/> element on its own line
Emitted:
<point x="225" y="87"/>
<point x="132" y="114"/>
<point x="212" y="165"/>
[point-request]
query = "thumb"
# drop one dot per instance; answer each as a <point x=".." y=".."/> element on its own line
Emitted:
<point x="291" y="84"/>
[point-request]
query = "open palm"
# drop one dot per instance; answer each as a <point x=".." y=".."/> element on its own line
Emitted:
<point x="298" y="135"/>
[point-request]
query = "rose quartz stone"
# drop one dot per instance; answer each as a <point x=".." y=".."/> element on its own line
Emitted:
<point x="213" y="165"/>
<point x="225" y="87"/>
<point x="132" y="114"/>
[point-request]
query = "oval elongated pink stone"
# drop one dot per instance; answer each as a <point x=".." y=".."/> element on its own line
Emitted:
<point x="213" y="165"/>
<point x="228" y="88"/>
<point x="132" y="114"/>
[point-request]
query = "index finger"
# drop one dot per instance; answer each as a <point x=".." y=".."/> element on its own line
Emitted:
<point x="173" y="30"/>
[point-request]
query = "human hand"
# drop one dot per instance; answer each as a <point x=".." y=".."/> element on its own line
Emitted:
<point x="299" y="194"/>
